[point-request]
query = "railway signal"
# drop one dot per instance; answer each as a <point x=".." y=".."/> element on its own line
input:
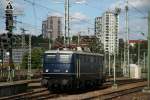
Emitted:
<point x="9" y="28"/>
<point x="9" y="17"/>
<point x="1" y="55"/>
<point x="4" y="41"/>
<point x="4" y="44"/>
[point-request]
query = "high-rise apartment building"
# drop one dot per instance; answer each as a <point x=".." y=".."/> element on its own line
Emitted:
<point x="106" y="29"/>
<point x="52" y="27"/>
<point x="98" y="26"/>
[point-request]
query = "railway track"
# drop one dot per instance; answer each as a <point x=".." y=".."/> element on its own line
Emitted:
<point x="23" y="95"/>
<point x="122" y="93"/>
<point x="106" y="94"/>
<point x="42" y="93"/>
<point x="112" y="94"/>
<point x="115" y="94"/>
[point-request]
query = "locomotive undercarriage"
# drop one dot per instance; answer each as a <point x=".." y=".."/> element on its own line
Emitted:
<point x="69" y="83"/>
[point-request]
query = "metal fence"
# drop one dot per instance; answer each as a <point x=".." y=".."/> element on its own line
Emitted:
<point x="9" y="74"/>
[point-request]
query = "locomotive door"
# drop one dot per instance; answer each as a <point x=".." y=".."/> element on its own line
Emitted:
<point x="78" y="66"/>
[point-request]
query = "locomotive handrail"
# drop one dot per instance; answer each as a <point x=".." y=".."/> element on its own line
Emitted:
<point x="79" y="67"/>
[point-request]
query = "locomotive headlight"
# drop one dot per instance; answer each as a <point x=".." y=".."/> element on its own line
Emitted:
<point x="46" y="70"/>
<point x="66" y="71"/>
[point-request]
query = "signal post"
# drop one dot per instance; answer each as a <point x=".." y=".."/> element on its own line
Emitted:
<point x="9" y="28"/>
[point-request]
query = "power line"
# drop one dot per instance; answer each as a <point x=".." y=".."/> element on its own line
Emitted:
<point x="34" y="14"/>
<point x="92" y="6"/>
<point x="25" y="23"/>
<point x="39" y="5"/>
<point x="1" y="6"/>
<point x="28" y="24"/>
<point x="33" y="26"/>
<point x="139" y="11"/>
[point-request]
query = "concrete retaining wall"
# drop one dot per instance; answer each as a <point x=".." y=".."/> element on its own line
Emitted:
<point x="12" y="88"/>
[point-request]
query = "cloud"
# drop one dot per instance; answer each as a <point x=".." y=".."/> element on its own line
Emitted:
<point x="142" y="5"/>
<point x="138" y="26"/>
<point x="78" y="17"/>
<point x="80" y="1"/>
<point x="3" y="2"/>
<point x="57" y="1"/>
<point x="56" y="14"/>
<point x="137" y="10"/>
<point x="73" y="1"/>
<point x="3" y="5"/>
<point x="18" y="9"/>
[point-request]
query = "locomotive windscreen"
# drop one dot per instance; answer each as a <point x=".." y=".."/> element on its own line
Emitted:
<point x="57" y="63"/>
<point x="57" y="58"/>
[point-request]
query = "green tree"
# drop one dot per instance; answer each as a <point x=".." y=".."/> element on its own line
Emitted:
<point x="36" y="59"/>
<point x="25" y="61"/>
<point x="96" y="46"/>
<point x="134" y="50"/>
<point x="75" y="39"/>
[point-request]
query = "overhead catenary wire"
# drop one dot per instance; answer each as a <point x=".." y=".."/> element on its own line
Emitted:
<point x="34" y="14"/>
<point x="138" y="10"/>
<point x="42" y="6"/>
<point x="47" y="8"/>
<point x="37" y="4"/>
<point x="1" y="9"/>
<point x="21" y="22"/>
<point x="25" y="23"/>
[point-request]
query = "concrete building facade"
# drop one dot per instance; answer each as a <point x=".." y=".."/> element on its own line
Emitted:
<point x="106" y="29"/>
<point x="52" y="27"/>
<point x="98" y="26"/>
<point x="17" y="56"/>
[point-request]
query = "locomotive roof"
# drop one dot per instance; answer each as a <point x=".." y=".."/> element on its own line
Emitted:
<point x="71" y="52"/>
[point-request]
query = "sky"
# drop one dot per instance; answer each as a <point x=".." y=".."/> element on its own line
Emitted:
<point x="31" y="13"/>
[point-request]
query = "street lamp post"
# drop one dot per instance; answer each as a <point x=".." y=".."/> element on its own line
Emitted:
<point x="109" y="64"/>
<point x="117" y="12"/>
<point x="49" y="38"/>
<point x="139" y="46"/>
<point x="144" y="55"/>
<point x="127" y="37"/>
<point x="65" y="34"/>
<point x="29" y="74"/>
<point x="2" y="50"/>
<point x="68" y="6"/>
<point x="79" y="38"/>
<point x="66" y="23"/>
<point x="9" y="78"/>
<point x="147" y="89"/>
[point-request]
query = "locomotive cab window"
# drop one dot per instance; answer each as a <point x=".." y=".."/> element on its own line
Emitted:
<point x="65" y="58"/>
<point x="50" y="58"/>
<point x="61" y="58"/>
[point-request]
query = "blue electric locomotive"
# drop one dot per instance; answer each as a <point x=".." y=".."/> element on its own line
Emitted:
<point x="72" y="69"/>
